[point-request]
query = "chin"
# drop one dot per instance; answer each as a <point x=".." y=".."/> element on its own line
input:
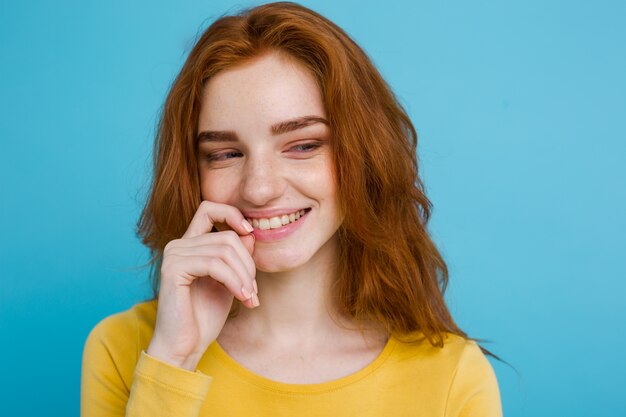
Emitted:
<point x="275" y="259"/>
<point x="273" y="262"/>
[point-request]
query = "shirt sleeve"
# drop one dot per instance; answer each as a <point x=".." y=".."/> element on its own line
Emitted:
<point x="160" y="389"/>
<point x="474" y="390"/>
<point x="118" y="381"/>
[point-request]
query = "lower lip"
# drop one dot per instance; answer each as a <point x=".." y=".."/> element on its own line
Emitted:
<point x="282" y="232"/>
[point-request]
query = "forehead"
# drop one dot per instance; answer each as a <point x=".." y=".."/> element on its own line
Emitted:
<point x="264" y="91"/>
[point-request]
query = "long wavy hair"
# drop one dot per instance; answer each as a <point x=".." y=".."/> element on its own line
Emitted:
<point x="389" y="269"/>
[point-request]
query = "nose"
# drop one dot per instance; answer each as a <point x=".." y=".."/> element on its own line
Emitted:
<point x="262" y="180"/>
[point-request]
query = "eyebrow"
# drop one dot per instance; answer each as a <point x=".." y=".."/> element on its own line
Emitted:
<point x="276" y="129"/>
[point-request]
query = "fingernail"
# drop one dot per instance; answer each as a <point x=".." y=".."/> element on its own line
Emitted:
<point x="256" y="289"/>
<point x="255" y="300"/>
<point x="245" y="293"/>
<point x="247" y="226"/>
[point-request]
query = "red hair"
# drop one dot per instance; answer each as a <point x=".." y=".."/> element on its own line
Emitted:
<point x="389" y="268"/>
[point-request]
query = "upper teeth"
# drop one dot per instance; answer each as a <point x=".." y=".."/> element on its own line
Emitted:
<point x="276" y="221"/>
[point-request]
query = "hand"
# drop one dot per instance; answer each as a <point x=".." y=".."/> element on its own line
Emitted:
<point x="200" y="275"/>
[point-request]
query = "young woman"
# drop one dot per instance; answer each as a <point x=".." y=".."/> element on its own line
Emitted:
<point x="288" y="226"/>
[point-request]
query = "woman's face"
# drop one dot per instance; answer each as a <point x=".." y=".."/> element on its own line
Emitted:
<point x="264" y="147"/>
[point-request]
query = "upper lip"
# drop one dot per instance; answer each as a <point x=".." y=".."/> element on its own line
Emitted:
<point x="269" y="213"/>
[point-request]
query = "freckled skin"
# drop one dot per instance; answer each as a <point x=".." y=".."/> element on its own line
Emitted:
<point x="265" y="171"/>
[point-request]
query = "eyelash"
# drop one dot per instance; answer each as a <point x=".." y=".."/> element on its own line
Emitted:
<point x="216" y="157"/>
<point x="310" y="146"/>
<point x="299" y="148"/>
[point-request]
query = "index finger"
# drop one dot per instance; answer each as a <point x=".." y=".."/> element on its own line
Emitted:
<point x="210" y="213"/>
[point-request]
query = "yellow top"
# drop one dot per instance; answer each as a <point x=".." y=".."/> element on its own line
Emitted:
<point x="416" y="379"/>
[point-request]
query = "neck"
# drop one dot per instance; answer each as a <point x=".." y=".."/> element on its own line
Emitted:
<point x="296" y="305"/>
<point x="298" y="311"/>
<point x="296" y="302"/>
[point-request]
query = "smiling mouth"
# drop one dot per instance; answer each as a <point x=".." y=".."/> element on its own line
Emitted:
<point x="277" y="221"/>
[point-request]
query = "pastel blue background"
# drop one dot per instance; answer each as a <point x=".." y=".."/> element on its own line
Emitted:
<point x="520" y="108"/>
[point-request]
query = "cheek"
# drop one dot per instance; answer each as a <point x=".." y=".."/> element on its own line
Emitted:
<point x="217" y="187"/>
<point x="326" y="183"/>
<point x="319" y="183"/>
<point x="319" y="175"/>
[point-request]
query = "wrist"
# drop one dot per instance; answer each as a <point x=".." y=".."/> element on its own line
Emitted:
<point x="189" y="363"/>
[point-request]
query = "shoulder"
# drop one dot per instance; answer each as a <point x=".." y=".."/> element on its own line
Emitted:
<point x="459" y="372"/>
<point x="127" y="327"/>
<point x="110" y="355"/>
<point x="118" y="339"/>
<point x="459" y="357"/>
<point x="417" y="347"/>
